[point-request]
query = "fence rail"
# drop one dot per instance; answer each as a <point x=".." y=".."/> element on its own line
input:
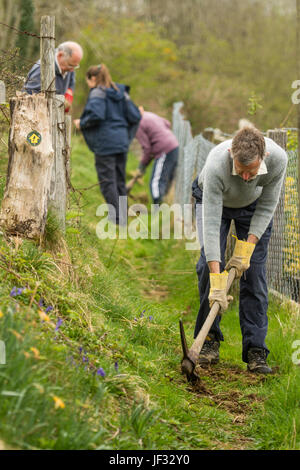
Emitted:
<point x="283" y="266"/>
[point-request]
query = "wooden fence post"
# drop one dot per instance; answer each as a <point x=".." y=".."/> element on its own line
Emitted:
<point x="58" y="187"/>
<point x="58" y="202"/>
<point x="2" y="93"/>
<point x="36" y="176"/>
<point x="47" y="53"/>
<point x="67" y="149"/>
<point x="208" y="133"/>
<point x="276" y="244"/>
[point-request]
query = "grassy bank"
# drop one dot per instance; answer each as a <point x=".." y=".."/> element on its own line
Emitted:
<point x="93" y="350"/>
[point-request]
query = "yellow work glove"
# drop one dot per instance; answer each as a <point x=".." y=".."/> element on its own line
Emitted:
<point x="240" y="259"/>
<point x="217" y="293"/>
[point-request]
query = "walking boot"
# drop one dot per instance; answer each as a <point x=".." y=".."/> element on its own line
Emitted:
<point x="257" y="361"/>
<point x="209" y="353"/>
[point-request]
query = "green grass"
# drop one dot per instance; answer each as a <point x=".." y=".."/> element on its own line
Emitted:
<point x="120" y="302"/>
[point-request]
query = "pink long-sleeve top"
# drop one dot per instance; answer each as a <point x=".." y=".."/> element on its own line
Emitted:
<point x="155" y="136"/>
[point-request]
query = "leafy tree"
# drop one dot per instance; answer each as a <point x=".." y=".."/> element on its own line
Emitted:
<point x="136" y="55"/>
<point x="26" y="24"/>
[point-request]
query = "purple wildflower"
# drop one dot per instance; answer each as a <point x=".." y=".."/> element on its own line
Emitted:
<point x="58" y="324"/>
<point x="48" y="309"/>
<point x="85" y="359"/>
<point x="80" y="350"/>
<point x="150" y="318"/>
<point x="101" y="372"/>
<point x="116" y="366"/>
<point x="16" y="291"/>
<point x="20" y="290"/>
<point x="41" y="302"/>
<point x="13" y="292"/>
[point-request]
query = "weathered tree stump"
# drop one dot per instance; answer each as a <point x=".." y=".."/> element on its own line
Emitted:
<point x="31" y="156"/>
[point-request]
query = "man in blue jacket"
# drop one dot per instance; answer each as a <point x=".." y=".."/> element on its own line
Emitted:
<point x="67" y="58"/>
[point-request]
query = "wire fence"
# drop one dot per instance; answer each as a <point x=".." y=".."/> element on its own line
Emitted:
<point x="14" y="68"/>
<point x="283" y="265"/>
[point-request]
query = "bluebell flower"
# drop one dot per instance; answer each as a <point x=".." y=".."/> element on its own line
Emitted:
<point x="13" y="292"/>
<point x="20" y="290"/>
<point x="101" y="372"/>
<point x="150" y="318"/>
<point x="58" y="324"/>
<point x="48" y="309"/>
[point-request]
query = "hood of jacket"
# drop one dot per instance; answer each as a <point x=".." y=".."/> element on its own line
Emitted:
<point x="115" y="95"/>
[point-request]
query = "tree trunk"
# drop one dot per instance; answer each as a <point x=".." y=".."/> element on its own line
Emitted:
<point x="24" y="205"/>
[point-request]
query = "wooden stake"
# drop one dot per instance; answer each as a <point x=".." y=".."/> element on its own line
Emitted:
<point x="47" y="53"/>
<point x="58" y="179"/>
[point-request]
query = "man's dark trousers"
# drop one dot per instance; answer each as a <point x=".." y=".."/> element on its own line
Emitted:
<point x="253" y="303"/>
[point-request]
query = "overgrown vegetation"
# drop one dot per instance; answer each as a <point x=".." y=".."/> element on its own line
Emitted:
<point x="213" y="55"/>
<point x="91" y="326"/>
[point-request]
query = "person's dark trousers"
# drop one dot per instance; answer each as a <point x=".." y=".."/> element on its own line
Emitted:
<point x="111" y="171"/>
<point x="253" y="302"/>
<point x="163" y="173"/>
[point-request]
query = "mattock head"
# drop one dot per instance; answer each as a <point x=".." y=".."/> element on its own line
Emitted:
<point x="187" y="365"/>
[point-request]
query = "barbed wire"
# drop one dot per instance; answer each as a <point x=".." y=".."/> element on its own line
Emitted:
<point x="27" y="33"/>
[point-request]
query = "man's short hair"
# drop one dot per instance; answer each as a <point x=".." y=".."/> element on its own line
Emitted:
<point x="65" y="48"/>
<point x="68" y="48"/>
<point x="247" y="145"/>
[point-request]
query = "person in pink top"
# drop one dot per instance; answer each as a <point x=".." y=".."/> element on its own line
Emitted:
<point x="158" y="142"/>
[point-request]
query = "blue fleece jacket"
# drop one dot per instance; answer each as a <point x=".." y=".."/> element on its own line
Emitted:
<point x="108" y="119"/>
<point x="62" y="83"/>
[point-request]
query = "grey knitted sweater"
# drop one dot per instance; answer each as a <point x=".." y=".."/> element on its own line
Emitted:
<point x="222" y="188"/>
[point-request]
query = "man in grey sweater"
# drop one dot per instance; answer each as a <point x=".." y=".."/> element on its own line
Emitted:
<point x="240" y="180"/>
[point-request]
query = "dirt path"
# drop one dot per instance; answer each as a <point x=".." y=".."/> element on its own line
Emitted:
<point x="236" y="398"/>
